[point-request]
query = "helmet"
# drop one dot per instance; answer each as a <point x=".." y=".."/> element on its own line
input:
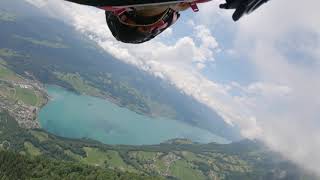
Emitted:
<point x="128" y="27"/>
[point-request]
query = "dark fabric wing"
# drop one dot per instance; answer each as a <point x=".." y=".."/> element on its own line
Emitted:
<point x="101" y="3"/>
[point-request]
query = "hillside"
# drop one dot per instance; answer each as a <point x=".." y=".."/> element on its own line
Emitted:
<point x="19" y="96"/>
<point x="15" y="166"/>
<point x="175" y="159"/>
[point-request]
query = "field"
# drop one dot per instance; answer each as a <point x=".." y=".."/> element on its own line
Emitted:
<point x="31" y="150"/>
<point x="7" y="74"/>
<point x="4" y="52"/>
<point x="45" y="43"/>
<point x="183" y="170"/>
<point x="6" y="16"/>
<point x="76" y="81"/>
<point x="96" y="157"/>
<point x="27" y="96"/>
<point x="15" y="88"/>
<point x="41" y="136"/>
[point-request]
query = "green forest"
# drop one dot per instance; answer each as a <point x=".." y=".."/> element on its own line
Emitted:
<point x="14" y="166"/>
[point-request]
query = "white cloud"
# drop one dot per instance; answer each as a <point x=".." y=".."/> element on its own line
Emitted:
<point x="210" y="14"/>
<point x="286" y="104"/>
<point x="167" y="32"/>
<point x="200" y="66"/>
<point x="282" y="108"/>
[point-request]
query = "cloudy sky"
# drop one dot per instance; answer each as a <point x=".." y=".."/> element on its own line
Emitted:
<point x="261" y="73"/>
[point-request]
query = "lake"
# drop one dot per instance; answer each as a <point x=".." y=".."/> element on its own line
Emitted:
<point x="70" y="115"/>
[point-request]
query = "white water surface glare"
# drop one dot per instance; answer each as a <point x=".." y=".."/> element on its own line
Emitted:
<point x="79" y="116"/>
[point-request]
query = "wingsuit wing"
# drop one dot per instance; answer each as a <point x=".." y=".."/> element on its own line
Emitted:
<point x="102" y="3"/>
<point x="242" y="7"/>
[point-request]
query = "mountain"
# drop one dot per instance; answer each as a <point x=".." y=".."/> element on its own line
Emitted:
<point x="54" y="53"/>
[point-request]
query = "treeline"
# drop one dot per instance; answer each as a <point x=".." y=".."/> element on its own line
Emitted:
<point x="14" y="166"/>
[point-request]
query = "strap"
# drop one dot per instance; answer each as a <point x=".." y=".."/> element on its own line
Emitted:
<point x="118" y="12"/>
<point x="194" y="6"/>
<point x="194" y="3"/>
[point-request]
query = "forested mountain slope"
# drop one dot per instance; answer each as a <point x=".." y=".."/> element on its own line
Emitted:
<point x="175" y="159"/>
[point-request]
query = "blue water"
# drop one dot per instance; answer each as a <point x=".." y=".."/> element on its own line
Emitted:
<point x="77" y="116"/>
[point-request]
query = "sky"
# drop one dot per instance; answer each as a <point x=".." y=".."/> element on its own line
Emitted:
<point x="261" y="73"/>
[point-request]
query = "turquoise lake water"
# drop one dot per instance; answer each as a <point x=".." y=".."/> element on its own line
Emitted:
<point x="77" y="116"/>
